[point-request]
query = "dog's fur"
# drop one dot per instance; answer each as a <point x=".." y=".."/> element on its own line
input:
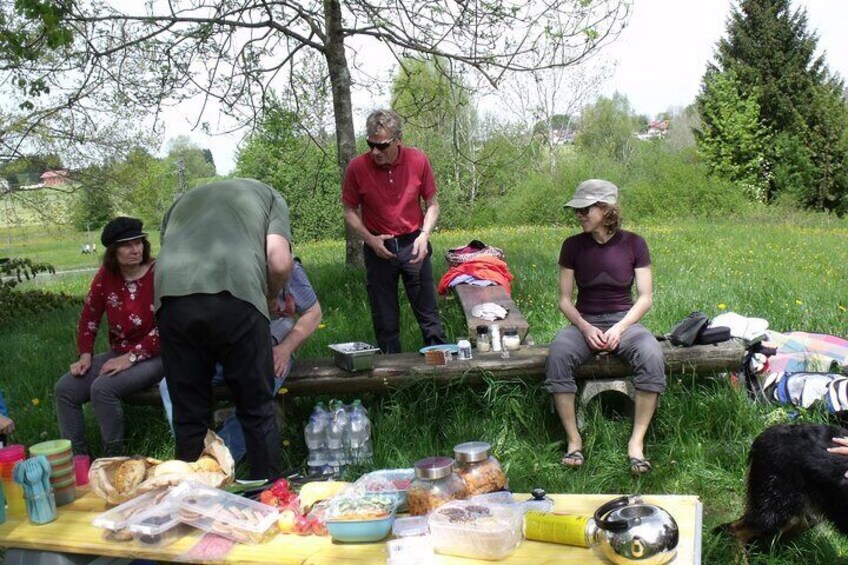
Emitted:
<point x="793" y="481"/>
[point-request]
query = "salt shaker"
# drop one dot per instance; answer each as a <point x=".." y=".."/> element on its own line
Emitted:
<point x="495" y="330"/>
<point x="464" y="349"/>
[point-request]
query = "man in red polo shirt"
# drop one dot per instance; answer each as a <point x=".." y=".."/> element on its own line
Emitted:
<point x="382" y="193"/>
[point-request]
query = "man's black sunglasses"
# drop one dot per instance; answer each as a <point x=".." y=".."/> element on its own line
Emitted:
<point x="381" y="146"/>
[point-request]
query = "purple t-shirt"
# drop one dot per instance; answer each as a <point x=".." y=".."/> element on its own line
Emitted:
<point x="604" y="273"/>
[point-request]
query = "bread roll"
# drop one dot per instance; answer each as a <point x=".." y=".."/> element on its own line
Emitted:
<point x="207" y="464"/>
<point x="129" y="475"/>
<point x="172" y="466"/>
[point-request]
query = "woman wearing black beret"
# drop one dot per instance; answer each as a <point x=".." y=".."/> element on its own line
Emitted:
<point x="123" y="289"/>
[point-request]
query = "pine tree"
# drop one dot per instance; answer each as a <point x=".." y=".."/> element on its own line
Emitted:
<point x="772" y="56"/>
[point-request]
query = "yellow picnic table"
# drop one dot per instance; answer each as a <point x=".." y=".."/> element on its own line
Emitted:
<point x="72" y="532"/>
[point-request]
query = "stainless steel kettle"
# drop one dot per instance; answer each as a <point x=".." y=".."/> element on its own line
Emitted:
<point x="627" y="531"/>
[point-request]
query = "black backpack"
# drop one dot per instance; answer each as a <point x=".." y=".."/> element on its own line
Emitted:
<point x="686" y="331"/>
<point x="693" y="330"/>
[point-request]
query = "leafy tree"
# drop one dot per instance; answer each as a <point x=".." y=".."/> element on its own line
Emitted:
<point x="282" y="155"/>
<point x="234" y="53"/>
<point x="440" y="120"/>
<point x="771" y="55"/>
<point x="28" y="169"/>
<point x="734" y="146"/>
<point x="93" y="206"/>
<point x="607" y="127"/>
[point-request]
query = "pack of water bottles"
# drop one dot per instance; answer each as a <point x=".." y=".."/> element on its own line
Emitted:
<point x="337" y="436"/>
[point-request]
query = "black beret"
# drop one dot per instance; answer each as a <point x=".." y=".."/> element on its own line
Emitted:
<point x="121" y="229"/>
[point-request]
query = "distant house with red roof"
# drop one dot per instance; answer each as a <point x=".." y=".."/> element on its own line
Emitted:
<point x="55" y="178"/>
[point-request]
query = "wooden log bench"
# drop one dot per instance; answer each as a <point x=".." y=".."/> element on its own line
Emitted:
<point x="471" y="295"/>
<point x="601" y="374"/>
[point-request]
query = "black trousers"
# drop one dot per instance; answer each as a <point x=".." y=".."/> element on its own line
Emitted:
<point x="382" y="276"/>
<point x="198" y="331"/>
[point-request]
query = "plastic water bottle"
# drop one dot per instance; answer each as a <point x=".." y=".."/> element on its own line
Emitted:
<point x="315" y="436"/>
<point x="337" y="434"/>
<point x="360" y="432"/>
<point x="314" y="431"/>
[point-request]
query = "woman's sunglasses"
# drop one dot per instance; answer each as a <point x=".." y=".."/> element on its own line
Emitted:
<point x="583" y="211"/>
<point x="381" y="146"/>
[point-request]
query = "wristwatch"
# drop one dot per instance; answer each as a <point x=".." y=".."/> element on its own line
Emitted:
<point x="132" y="358"/>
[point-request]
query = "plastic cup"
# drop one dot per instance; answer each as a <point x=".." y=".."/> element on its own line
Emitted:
<point x="82" y="464"/>
<point x="10" y="456"/>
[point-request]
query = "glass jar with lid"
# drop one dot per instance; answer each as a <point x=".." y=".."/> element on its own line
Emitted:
<point x="479" y="470"/>
<point x="511" y="341"/>
<point x="484" y="340"/>
<point x="435" y="483"/>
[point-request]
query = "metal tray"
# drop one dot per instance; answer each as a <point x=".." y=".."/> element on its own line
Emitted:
<point x="354" y="355"/>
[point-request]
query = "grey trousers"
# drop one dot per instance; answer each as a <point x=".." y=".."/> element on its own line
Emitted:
<point x="105" y="394"/>
<point x="638" y="347"/>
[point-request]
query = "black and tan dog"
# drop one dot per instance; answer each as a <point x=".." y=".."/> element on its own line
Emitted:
<point x="793" y="481"/>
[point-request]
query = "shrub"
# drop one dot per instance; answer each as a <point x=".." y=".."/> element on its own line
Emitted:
<point x="14" y="304"/>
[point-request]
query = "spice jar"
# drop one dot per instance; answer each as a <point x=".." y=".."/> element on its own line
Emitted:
<point x="484" y="342"/>
<point x="435" y="483"/>
<point x="480" y="471"/>
<point x="510" y="340"/>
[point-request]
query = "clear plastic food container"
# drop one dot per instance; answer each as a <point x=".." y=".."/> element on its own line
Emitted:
<point x="435" y="484"/>
<point x="390" y="482"/>
<point x="480" y="471"/>
<point x="115" y="522"/>
<point x="223" y="513"/>
<point x="158" y="529"/>
<point x="477" y="530"/>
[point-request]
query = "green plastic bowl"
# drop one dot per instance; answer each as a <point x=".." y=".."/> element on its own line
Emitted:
<point x="52" y="447"/>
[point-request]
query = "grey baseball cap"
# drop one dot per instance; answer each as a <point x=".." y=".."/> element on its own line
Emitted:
<point x="591" y="191"/>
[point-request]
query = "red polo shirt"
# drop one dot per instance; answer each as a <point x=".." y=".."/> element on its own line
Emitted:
<point x="390" y="198"/>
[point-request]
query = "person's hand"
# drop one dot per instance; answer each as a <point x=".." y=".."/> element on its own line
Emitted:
<point x="595" y="338"/>
<point x="7" y="425"/>
<point x="842" y="449"/>
<point x="82" y="366"/>
<point x="115" y="365"/>
<point x="375" y="242"/>
<point x="419" y="248"/>
<point x="612" y="337"/>
<point x="282" y="358"/>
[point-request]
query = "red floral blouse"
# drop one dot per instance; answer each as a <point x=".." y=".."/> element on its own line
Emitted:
<point x="129" y="311"/>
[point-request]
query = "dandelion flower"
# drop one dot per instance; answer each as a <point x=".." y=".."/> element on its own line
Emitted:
<point x="322" y="326"/>
<point x="722" y="306"/>
<point x="286" y="443"/>
<point x="35" y="401"/>
<point x="799" y="303"/>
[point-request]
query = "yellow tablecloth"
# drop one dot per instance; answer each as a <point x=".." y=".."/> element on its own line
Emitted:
<point x="72" y="532"/>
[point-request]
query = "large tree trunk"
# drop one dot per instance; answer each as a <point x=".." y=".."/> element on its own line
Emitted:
<point x="343" y="111"/>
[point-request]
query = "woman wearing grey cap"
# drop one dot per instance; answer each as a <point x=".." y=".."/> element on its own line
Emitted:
<point x="123" y="290"/>
<point x="604" y="262"/>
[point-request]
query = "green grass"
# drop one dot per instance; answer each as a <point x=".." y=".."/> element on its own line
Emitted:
<point x="793" y="274"/>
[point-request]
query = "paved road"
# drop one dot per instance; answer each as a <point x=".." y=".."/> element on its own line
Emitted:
<point x="58" y="273"/>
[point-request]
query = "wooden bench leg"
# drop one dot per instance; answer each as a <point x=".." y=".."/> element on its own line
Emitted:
<point x="593" y="387"/>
